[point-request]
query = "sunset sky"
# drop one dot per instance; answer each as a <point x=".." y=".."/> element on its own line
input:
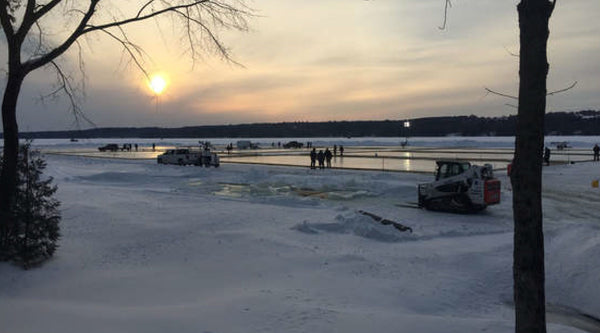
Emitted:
<point x="328" y="60"/>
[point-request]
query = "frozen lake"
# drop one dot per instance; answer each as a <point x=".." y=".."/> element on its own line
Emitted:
<point x="245" y="248"/>
<point x="360" y="153"/>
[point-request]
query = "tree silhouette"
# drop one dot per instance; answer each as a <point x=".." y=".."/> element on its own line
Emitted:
<point x="36" y="232"/>
<point x="32" y="44"/>
<point x="526" y="177"/>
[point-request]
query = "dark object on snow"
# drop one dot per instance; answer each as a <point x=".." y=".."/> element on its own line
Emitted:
<point x="293" y="144"/>
<point x="546" y="156"/>
<point x="383" y="221"/>
<point x="109" y="147"/>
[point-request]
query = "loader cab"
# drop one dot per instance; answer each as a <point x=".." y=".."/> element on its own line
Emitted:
<point x="446" y="169"/>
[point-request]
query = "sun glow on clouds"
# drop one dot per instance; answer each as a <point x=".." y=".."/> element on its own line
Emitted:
<point x="338" y="60"/>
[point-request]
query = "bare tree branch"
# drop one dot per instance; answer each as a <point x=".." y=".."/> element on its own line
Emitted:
<point x="448" y="5"/>
<point x="143" y="8"/>
<point x="222" y="15"/>
<point x="81" y="65"/>
<point x="135" y="52"/>
<point x="193" y="14"/>
<point x="490" y="91"/>
<point x="40" y="42"/>
<point x="64" y="85"/>
<point x="91" y="28"/>
<point x="33" y="64"/>
<point x="222" y="50"/>
<point x="562" y="90"/>
<point x="511" y="53"/>
<point x="32" y="16"/>
<point x="5" y="21"/>
<point x="45" y="9"/>
<point x="188" y="31"/>
<point x="200" y="18"/>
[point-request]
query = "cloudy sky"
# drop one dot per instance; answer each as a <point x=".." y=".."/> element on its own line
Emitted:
<point x="321" y="60"/>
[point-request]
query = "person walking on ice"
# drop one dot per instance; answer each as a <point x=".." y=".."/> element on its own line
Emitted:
<point x="596" y="150"/>
<point x="321" y="159"/>
<point x="328" y="156"/>
<point x="313" y="158"/>
<point x="547" y="155"/>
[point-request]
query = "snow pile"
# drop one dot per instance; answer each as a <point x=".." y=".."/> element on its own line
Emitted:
<point x="357" y="224"/>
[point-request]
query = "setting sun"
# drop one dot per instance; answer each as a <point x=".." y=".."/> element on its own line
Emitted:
<point x="157" y="84"/>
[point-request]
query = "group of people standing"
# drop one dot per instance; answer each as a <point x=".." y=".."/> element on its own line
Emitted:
<point x="324" y="157"/>
<point x="596" y="151"/>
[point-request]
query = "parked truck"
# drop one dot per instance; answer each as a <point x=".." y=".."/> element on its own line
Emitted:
<point x="189" y="156"/>
<point x="109" y="147"/>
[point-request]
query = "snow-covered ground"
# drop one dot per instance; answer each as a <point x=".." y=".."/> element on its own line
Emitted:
<point x="241" y="248"/>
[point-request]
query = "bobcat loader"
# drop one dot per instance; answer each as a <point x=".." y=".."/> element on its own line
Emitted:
<point x="460" y="187"/>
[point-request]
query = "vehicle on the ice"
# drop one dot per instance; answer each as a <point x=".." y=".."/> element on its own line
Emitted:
<point x="562" y="145"/>
<point x="293" y="144"/>
<point x="245" y="144"/>
<point x="109" y="147"/>
<point x="186" y="156"/>
<point x="460" y="187"/>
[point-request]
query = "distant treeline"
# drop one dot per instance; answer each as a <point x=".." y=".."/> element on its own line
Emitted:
<point x="556" y="123"/>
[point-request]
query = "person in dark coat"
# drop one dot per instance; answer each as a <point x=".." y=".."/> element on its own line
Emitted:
<point x="547" y="155"/>
<point x="313" y="158"/>
<point x="596" y="152"/>
<point x="321" y="159"/>
<point x="341" y="150"/>
<point x="328" y="156"/>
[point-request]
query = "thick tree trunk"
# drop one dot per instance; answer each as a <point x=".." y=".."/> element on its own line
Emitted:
<point x="8" y="176"/>
<point x="526" y="177"/>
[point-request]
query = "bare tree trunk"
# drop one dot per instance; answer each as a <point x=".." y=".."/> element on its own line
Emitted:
<point x="8" y="176"/>
<point x="526" y="177"/>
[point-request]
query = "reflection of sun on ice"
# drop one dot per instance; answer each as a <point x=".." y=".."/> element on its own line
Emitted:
<point x="157" y="84"/>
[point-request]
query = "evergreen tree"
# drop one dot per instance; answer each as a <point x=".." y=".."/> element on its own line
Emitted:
<point x="33" y="236"/>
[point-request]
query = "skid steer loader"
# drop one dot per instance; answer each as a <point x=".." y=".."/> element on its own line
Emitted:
<point x="460" y="187"/>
